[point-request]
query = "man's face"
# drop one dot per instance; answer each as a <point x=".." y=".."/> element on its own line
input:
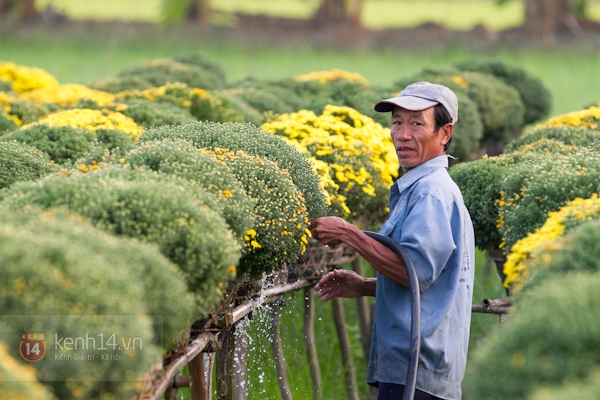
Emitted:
<point x="414" y="138"/>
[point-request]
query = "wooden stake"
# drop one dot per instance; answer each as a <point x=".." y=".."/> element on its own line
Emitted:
<point x="364" y="313"/>
<point x="198" y="375"/>
<point x="309" y="341"/>
<point x="284" y="386"/>
<point x="340" y="325"/>
<point x="240" y="376"/>
<point x="225" y="366"/>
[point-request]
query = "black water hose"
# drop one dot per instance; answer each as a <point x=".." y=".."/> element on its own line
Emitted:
<point x="415" y="311"/>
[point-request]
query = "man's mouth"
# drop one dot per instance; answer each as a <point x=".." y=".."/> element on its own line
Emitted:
<point x="403" y="149"/>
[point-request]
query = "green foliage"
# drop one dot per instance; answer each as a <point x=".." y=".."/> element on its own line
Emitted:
<point x="499" y="105"/>
<point x="574" y="389"/>
<point x="161" y="71"/>
<point x="64" y="144"/>
<point x="59" y="266"/>
<point x="150" y="114"/>
<point x="281" y="216"/>
<point x="20" y="162"/>
<point x="6" y="124"/>
<point x="222" y="106"/>
<point x="121" y="84"/>
<point x="18" y="379"/>
<point x="535" y="96"/>
<point x="181" y="218"/>
<point x="480" y="184"/>
<point x="541" y="183"/>
<point x="30" y="111"/>
<point x="253" y="141"/>
<point x="181" y="158"/>
<point x="549" y="340"/>
<point x="200" y="59"/>
<point x="567" y="135"/>
<point x="284" y="89"/>
<point x="5" y="86"/>
<point x="262" y="100"/>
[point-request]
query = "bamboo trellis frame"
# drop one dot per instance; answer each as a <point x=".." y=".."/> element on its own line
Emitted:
<point x="216" y="333"/>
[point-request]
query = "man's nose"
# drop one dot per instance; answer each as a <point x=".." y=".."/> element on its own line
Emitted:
<point x="402" y="133"/>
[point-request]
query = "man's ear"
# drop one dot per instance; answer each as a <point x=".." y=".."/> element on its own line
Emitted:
<point x="446" y="133"/>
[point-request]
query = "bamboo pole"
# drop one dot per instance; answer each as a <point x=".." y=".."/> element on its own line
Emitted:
<point x="309" y="341"/>
<point x="284" y="386"/>
<point x="340" y="325"/>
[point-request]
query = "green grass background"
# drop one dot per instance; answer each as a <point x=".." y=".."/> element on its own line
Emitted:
<point x="89" y="53"/>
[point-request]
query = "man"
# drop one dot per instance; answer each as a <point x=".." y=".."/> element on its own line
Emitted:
<point x="429" y="219"/>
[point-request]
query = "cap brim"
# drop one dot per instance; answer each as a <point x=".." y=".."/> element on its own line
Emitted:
<point x="407" y="102"/>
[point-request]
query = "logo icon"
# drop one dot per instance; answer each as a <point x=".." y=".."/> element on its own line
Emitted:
<point x="32" y="346"/>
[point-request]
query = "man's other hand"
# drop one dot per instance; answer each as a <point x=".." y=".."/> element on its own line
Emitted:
<point x="340" y="283"/>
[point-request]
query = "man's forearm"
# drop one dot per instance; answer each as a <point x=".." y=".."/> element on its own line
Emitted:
<point x="378" y="255"/>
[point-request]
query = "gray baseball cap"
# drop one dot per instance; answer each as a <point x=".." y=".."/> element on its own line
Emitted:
<point x="421" y="95"/>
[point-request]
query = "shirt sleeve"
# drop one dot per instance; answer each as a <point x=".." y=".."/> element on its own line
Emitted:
<point x="426" y="234"/>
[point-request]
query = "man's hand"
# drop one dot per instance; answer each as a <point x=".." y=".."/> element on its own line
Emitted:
<point x="329" y="230"/>
<point x="341" y="283"/>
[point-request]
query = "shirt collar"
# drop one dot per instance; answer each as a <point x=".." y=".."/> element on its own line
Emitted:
<point x="420" y="171"/>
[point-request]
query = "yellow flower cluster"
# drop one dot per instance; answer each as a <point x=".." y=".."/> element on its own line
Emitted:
<point x="332" y="76"/>
<point x="336" y="142"/>
<point x="68" y="95"/>
<point x="537" y="244"/>
<point x="25" y="79"/>
<point x="461" y="81"/>
<point x="178" y="92"/>
<point x="92" y="120"/>
<point x="588" y="118"/>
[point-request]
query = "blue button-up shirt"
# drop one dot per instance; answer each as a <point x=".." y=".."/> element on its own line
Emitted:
<point x="427" y="217"/>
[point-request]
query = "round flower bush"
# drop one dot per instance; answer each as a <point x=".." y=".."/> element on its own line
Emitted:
<point x="566" y="243"/>
<point x="222" y="106"/>
<point x="161" y="71"/>
<point x="253" y="141"/>
<point x="535" y="96"/>
<point x="480" y="184"/>
<point x="19" y="381"/>
<point x="280" y="234"/>
<point x="568" y="135"/>
<point x="261" y="100"/>
<point x="588" y="118"/>
<point x="182" y="158"/>
<point x="54" y="267"/>
<point x="26" y="79"/>
<point x="20" y="162"/>
<point x="115" y="85"/>
<point x="353" y="154"/>
<point x="181" y="218"/>
<point x="92" y="120"/>
<point x="333" y="75"/>
<point x="541" y="183"/>
<point x="199" y="59"/>
<point x="68" y="95"/>
<point x="149" y="114"/>
<point x="549" y="340"/>
<point x="178" y="94"/>
<point x="28" y="111"/>
<point x="499" y="104"/>
<point x="65" y="144"/>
